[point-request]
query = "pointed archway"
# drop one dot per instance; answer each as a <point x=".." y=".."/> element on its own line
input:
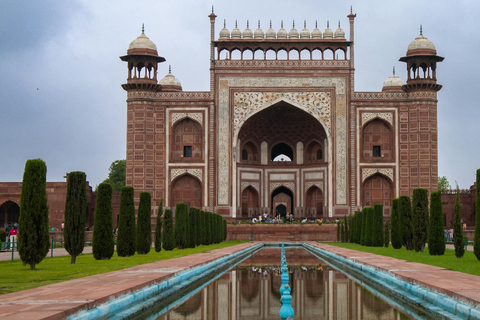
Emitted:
<point x="250" y="203"/>
<point x="282" y="201"/>
<point x="187" y="189"/>
<point x="9" y="213"/>
<point x="314" y="203"/>
<point x="378" y="189"/>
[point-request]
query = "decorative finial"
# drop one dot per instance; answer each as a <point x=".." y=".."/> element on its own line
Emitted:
<point x="224" y="23"/>
<point x="235" y="23"/>
<point x="258" y="24"/>
<point x="339" y="24"/>
<point x="212" y="9"/>
<point x="281" y="24"/>
<point x="394" y="70"/>
<point x="293" y="24"/>
<point x="170" y="68"/>
<point x="270" y="24"/>
<point x="143" y="28"/>
<point x="316" y="26"/>
<point x="351" y="9"/>
<point x="328" y="24"/>
<point x="304" y="24"/>
<point x="247" y="24"/>
<point x="421" y="31"/>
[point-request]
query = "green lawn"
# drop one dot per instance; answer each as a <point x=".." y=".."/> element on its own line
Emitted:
<point x="467" y="264"/>
<point x="16" y="277"/>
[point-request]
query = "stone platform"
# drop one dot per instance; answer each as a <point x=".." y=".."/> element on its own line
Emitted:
<point x="282" y="232"/>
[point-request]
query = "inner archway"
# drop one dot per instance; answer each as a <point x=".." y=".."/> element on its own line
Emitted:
<point x="250" y="203"/>
<point x="378" y="189"/>
<point x="282" y="196"/>
<point x="9" y="213"/>
<point x="186" y="189"/>
<point x="314" y="202"/>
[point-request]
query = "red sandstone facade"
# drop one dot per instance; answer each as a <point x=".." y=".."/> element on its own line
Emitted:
<point x="281" y="96"/>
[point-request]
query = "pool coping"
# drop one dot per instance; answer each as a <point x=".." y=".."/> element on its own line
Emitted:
<point x="60" y="300"/>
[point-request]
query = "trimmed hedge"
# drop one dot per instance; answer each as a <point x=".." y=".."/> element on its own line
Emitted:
<point x="420" y="218"/>
<point x="396" y="225"/>
<point x="33" y="236"/>
<point x="75" y="214"/>
<point x="476" y="240"/>
<point x="144" y="223"/>
<point x="192" y="228"/>
<point x="457" y="229"/>
<point x="181" y="216"/>
<point x="158" y="228"/>
<point x="378" y="232"/>
<point x="369" y="229"/>
<point x="103" y="239"/>
<point x="168" y="240"/>
<point x="436" y="235"/>
<point x="127" y="230"/>
<point x="405" y="215"/>
<point x="386" y="235"/>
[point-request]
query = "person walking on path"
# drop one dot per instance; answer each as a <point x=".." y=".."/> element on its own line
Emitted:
<point x="13" y="235"/>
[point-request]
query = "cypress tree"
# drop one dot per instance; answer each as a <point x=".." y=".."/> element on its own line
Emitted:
<point x="75" y="214"/>
<point x="198" y="233"/>
<point x="181" y="213"/>
<point x="203" y="227"/>
<point x="126" y="235"/>
<point x="420" y="218"/>
<point x="358" y="227"/>
<point x="103" y="240"/>
<point x="158" y="228"/>
<point x="208" y="228"/>
<point x="386" y="235"/>
<point x="346" y="229"/>
<point x="436" y="235"/>
<point x="405" y="214"/>
<point x="33" y="242"/>
<point x="396" y="225"/>
<point x="342" y="231"/>
<point x="369" y="230"/>
<point x="364" y="227"/>
<point x="377" y="227"/>
<point x="457" y="229"/>
<point x="144" y="223"/>
<point x="192" y="228"/>
<point x="338" y="231"/>
<point x="476" y="240"/>
<point x="168" y="240"/>
<point x="224" y="229"/>
<point x="351" y="228"/>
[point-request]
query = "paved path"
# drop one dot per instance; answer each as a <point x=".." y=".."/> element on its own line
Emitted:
<point x="60" y="300"/>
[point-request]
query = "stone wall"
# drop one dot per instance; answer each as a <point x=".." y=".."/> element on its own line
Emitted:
<point x="282" y="232"/>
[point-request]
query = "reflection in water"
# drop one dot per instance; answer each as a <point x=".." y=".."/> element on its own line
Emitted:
<point x="251" y="291"/>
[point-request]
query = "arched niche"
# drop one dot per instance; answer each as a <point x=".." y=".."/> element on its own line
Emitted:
<point x="281" y="152"/>
<point x="187" y="141"/>
<point x="378" y="189"/>
<point x="377" y="141"/>
<point x="314" y="202"/>
<point x="314" y="152"/>
<point x="250" y="203"/>
<point x="282" y="196"/>
<point x="250" y="153"/>
<point x="187" y="189"/>
<point x="9" y="213"/>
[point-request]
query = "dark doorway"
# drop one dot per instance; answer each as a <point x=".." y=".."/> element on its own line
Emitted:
<point x="282" y="196"/>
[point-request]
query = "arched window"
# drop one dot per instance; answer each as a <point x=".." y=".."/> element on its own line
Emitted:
<point x="319" y="154"/>
<point x="187" y="141"/>
<point x="244" y="154"/>
<point x="282" y="152"/>
<point x="378" y="142"/>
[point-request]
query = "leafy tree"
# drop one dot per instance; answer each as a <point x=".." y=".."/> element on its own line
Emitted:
<point x="168" y="240"/>
<point x="75" y="214"/>
<point x="370" y="213"/>
<point x="405" y="213"/>
<point x="181" y="215"/>
<point x="127" y="231"/>
<point x="420" y="218"/>
<point x="192" y="238"/>
<point x="396" y="225"/>
<point x="158" y="228"/>
<point x="144" y="223"/>
<point x="457" y="229"/>
<point x="386" y="235"/>
<point x="116" y="175"/>
<point x="476" y="240"/>
<point x="103" y="241"/>
<point x="436" y="235"/>
<point x="33" y="242"/>
<point x="377" y="227"/>
<point x="443" y="184"/>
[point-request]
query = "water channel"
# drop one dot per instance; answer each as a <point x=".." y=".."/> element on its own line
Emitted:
<point x="250" y="290"/>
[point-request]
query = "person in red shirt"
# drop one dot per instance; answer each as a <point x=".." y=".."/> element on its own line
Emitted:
<point x="13" y="235"/>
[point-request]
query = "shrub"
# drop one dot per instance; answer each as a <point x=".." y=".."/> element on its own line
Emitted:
<point x="436" y="234"/>
<point x="198" y="226"/>
<point x="338" y="231"/>
<point x="358" y="226"/>
<point x="103" y="241"/>
<point x="420" y="218"/>
<point x="158" y="228"/>
<point x="369" y="230"/>
<point x="75" y="214"/>
<point x="224" y="229"/>
<point x="405" y="215"/>
<point x="342" y="231"/>
<point x="3" y="235"/>
<point x="476" y="240"/>
<point x="192" y="238"/>
<point x="127" y="231"/>
<point x="457" y="229"/>
<point x="181" y="213"/>
<point x="203" y="227"/>
<point x="378" y="232"/>
<point x="144" y="223"/>
<point x="208" y="228"/>
<point x="396" y="225"/>
<point x="386" y="235"/>
<point x="363" y="241"/>
<point x="33" y="242"/>
<point x="168" y="240"/>
<point x="346" y="229"/>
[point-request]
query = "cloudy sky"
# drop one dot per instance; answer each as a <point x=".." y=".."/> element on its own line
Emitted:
<point x="60" y="94"/>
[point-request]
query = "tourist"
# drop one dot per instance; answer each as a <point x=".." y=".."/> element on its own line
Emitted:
<point x="304" y="220"/>
<point x="13" y="235"/>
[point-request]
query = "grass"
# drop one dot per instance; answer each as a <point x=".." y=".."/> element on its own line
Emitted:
<point x="467" y="264"/>
<point x="17" y="277"/>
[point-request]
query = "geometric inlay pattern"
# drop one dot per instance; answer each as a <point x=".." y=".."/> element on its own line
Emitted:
<point x="387" y="116"/>
<point x="318" y="184"/>
<point x="194" y="172"/>
<point x="254" y="185"/>
<point x="288" y="185"/>
<point x="197" y="116"/>
<point x="367" y="172"/>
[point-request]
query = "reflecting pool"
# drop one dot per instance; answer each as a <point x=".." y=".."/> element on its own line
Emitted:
<point x="251" y="291"/>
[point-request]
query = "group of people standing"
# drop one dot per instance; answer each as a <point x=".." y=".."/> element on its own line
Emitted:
<point x="12" y="232"/>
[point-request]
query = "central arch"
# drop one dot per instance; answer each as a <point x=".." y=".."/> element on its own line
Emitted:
<point x="282" y="196"/>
